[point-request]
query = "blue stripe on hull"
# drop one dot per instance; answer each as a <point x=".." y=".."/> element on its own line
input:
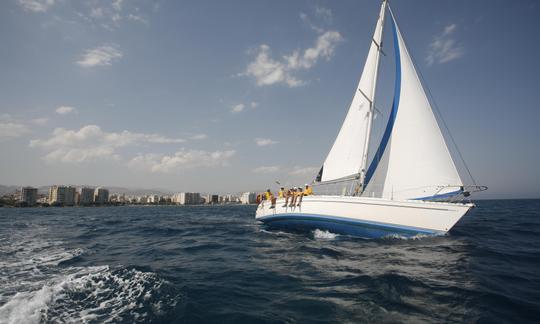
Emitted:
<point x="339" y="225"/>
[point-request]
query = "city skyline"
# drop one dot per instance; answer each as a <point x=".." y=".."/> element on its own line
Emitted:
<point x="231" y="97"/>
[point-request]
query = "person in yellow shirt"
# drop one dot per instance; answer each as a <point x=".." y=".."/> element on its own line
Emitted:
<point x="270" y="197"/>
<point x="297" y="195"/>
<point x="281" y="193"/>
<point x="308" y="191"/>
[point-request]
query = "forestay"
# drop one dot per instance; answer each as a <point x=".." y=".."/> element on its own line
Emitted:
<point x="413" y="160"/>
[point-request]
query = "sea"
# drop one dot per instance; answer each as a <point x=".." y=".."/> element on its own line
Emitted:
<point x="216" y="264"/>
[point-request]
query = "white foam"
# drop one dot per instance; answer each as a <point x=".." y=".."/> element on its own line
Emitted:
<point x="402" y="237"/>
<point x="105" y="296"/>
<point x="324" y="235"/>
<point x="27" y="307"/>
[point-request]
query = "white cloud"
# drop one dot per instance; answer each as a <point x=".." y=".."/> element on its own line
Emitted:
<point x="303" y="171"/>
<point x="305" y="18"/>
<point x="64" y="110"/>
<point x="100" y="56"/>
<point x="36" y="5"/>
<point x="324" y="13"/>
<point x="91" y="143"/>
<point x="137" y="18"/>
<point x="12" y="129"/>
<point x="117" y="5"/>
<point x="444" y="48"/>
<point x="268" y="71"/>
<point x="241" y="106"/>
<point x="264" y="141"/>
<point x="198" y="137"/>
<point x="238" y="108"/>
<point x="181" y="160"/>
<point x="266" y="169"/>
<point x="97" y="12"/>
<point x="40" y="121"/>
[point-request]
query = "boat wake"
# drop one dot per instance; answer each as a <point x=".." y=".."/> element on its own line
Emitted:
<point x="324" y="235"/>
<point x="38" y="285"/>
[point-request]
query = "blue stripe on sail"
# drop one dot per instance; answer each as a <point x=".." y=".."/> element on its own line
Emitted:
<point x="441" y="196"/>
<point x="341" y="225"/>
<point x="388" y="131"/>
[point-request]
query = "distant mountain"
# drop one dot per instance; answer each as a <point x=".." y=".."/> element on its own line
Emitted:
<point x="120" y="190"/>
<point x="138" y="191"/>
<point x="4" y="190"/>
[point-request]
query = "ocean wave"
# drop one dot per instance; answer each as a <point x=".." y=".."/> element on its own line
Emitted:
<point x="94" y="294"/>
<point x="324" y="235"/>
<point x="409" y="238"/>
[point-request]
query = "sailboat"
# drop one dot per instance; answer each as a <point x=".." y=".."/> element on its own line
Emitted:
<point x="411" y="186"/>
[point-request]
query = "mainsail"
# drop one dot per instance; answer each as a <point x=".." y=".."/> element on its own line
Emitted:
<point x="348" y="155"/>
<point x="413" y="160"/>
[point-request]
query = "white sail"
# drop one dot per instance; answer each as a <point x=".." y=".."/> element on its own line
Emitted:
<point x="413" y="160"/>
<point x="349" y="152"/>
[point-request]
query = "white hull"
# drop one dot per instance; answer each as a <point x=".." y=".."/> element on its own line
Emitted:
<point x="366" y="217"/>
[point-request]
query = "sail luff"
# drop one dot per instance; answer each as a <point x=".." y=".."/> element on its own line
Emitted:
<point x="367" y="141"/>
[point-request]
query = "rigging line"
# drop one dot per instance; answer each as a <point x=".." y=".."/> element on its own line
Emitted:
<point x="426" y="86"/>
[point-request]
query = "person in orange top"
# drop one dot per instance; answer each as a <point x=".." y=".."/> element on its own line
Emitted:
<point x="308" y="191"/>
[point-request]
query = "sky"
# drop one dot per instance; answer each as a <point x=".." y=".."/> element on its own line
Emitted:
<point x="231" y="96"/>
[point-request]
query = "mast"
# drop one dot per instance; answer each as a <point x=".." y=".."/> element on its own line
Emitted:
<point x="347" y="158"/>
<point x="371" y="99"/>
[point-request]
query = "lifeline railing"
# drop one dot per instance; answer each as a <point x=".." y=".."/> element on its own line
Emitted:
<point x="351" y="186"/>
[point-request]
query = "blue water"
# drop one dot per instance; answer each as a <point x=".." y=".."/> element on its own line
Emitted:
<point x="217" y="264"/>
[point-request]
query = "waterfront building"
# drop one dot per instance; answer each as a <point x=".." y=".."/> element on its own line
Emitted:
<point x="29" y="195"/>
<point x="101" y="195"/>
<point x="64" y="195"/>
<point x="86" y="196"/>
<point x="231" y="198"/>
<point x="187" y="198"/>
<point x="77" y="200"/>
<point x="211" y="199"/>
<point x="248" y="198"/>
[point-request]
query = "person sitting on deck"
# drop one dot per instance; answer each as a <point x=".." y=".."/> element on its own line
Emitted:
<point x="288" y="195"/>
<point x="281" y="193"/>
<point x="306" y="192"/>
<point x="270" y="197"/>
<point x="297" y="193"/>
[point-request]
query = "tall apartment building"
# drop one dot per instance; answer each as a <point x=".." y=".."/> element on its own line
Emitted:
<point x="187" y="198"/>
<point x="101" y="195"/>
<point x="248" y="198"/>
<point x="64" y="195"/>
<point x="87" y="196"/>
<point x="29" y="195"/>
<point x="212" y="199"/>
